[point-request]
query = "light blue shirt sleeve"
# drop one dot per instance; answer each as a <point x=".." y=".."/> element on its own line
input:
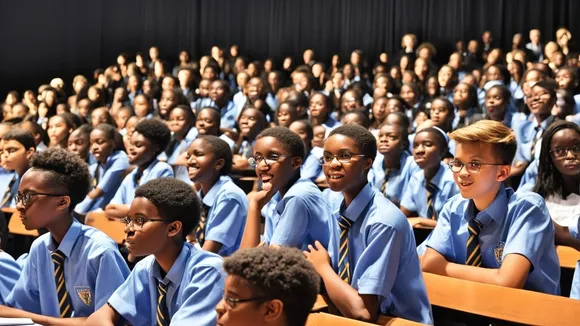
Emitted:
<point x="292" y="225"/>
<point x="575" y="290"/>
<point x="121" y="194"/>
<point x="110" y="179"/>
<point x="408" y="200"/>
<point x="111" y="272"/>
<point x="226" y="222"/>
<point x="9" y="274"/>
<point x="25" y="294"/>
<point x="440" y="238"/>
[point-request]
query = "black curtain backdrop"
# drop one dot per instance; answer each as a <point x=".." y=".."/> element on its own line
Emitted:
<point x="40" y="40"/>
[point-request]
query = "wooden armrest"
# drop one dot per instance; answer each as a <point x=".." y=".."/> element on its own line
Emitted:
<point x="324" y="319"/>
<point x="15" y="225"/>
<point x="114" y="229"/>
<point x="514" y="305"/>
<point x="568" y="256"/>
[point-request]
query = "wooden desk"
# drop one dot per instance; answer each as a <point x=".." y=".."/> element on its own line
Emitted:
<point x="324" y="319"/>
<point x="114" y="229"/>
<point x="15" y="225"/>
<point x="515" y="305"/>
<point x="321" y="303"/>
<point x="568" y="256"/>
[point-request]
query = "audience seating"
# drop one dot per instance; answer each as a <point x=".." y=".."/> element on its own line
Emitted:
<point x="15" y="225"/>
<point x="113" y="228"/>
<point x="324" y="319"/>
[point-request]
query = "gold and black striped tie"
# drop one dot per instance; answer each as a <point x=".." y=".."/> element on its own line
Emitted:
<point x="200" y="230"/>
<point x="385" y="181"/>
<point x="162" y="313"/>
<point x="431" y="189"/>
<point x="473" y="247"/>
<point x="8" y="192"/>
<point x="97" y="176"/>
<point x="343" y="262"/>
<point x="64" y="301"/>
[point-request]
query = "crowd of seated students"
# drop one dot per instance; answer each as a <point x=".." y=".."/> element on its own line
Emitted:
<point x="484" y="150"/>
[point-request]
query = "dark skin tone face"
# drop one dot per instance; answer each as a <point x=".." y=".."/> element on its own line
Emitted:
<point x="202" y="166"/>
<point x="79" y="144"/>
<point x="568" y="165"/>
<point x="101" y="145"/>
<point x="141" y="151"/>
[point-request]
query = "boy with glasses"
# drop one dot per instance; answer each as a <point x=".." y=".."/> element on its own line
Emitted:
<point x="73" y="269"/>
<point x="490" y="234"/>
<point x="176" y="283"/>
<point x="267" y="286"/>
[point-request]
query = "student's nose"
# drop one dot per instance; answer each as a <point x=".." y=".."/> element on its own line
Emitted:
<point x="220" y="308"/>
<point x="570" y="154"/>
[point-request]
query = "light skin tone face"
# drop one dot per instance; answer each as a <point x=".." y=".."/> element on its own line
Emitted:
<point x="206" y="123"/>
<point x="79" y="144"/>
<point x="259" y="312"/>
<point x="569" y="165"/>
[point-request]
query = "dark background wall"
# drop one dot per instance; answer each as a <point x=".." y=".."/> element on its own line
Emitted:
<point x="40" y="40"/>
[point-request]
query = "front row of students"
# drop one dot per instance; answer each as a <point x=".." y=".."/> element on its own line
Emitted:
<point x="357" y="240"/>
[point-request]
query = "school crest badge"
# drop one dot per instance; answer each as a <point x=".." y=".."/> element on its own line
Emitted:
<point x="498" y="252"/>
<point x="85" y="295"/>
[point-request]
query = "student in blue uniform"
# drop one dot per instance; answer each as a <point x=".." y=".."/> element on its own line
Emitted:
<point x="490" y="234"/>
<point x="311" y="167"/>
<point x="280" y="284"/>
<point x="224" y="204"/>
<point x="176" y="283"/>
<point x="181" y="122"/>
<point x="432" y="184"/>
<point x="295" y="212"/>
<point x="9" y="273"/>
<point x="79" y="142"/>
<point x="18" y="148"/>
<point x="149" y="139"/>
<point x="106" y="172"/>
<point x="378" y="271"/>
<point x="73" y="269"/>
<point x="392" y="169"/>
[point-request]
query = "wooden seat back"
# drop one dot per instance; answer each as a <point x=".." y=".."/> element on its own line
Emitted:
<point x="115" y="229"/>
<point x="15" y="225"/>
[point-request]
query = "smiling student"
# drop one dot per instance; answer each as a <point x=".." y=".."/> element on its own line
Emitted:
<point x="491" y="234"/>
<point x="149" y="139"/>
<point x="73" y="269"/>
<point x="267" y="287"/>
<point x="176" y="283"/>
<point x="224" y="204"/>
<point x="295" y="212"/>
<point x="375" y="269"/>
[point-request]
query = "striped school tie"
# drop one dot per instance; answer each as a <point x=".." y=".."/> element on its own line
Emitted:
<point x="64" y="302"/>
<point x="137" y="177"/>
<point x="431" y="189"/>
<point x="385" y="181"/>
<point x="200" y="230"/>
<point x="97" y="176"/>
<point x="8" y="192"/>
<point x="343" y="263"/>
<point x="162" y="313"/>
<point x="473" y="248"/>
<point x="535" y="141"/>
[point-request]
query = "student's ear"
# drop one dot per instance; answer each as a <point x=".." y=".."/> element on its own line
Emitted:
<point x="503" y="173"/>
<point x="219" y="164"/>
<point x="63" y="203"/>
<point x="174" y="229"/>
<point x="274" y="311"/>
<point x="296" y="163"/>
<point x="368" y="163"/>
<point x="30" y="152"/>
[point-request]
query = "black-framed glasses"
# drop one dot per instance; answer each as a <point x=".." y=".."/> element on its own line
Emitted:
<point x="344" y="157"/>
<point x="270" y="159"/>
<point x="231" y="303"/>
<point x="138" y="222"/>
<point x="561" y="153"/>
<point x="471" y="167"/>
<point x="26" y="198"/>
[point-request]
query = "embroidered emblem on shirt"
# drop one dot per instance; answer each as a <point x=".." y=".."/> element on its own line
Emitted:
<point x="85" y="294"/>
<point x="498" y="252"/>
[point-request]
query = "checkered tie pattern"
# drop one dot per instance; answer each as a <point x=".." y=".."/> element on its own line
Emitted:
<point x="431" y="189"/>
<point x="64" y="302"/>
<point x="473" y="248"/>
<point x="343" y="263"/>
<point x="162" y="313"/>
<point x="200" y="230"/>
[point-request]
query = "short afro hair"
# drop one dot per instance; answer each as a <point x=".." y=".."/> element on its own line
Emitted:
<point x="64" y="170"/>
<point x="156" y="131"/>
<point x="282" y="273"/>
<point x="175" y="200"/>
<point x="365" y="141"/>
<point x="221" y="150"/>
<point x="22" y="136"/>
<point x="291" y="141"/>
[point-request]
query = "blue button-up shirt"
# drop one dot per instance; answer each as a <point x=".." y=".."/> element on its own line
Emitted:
<point x="195" y="286"/>
<point x="228" y="111"/>
<point x="525" y="134"/>
<point x="514" y="223"/>
<point x="398" y="178"/>
<point x="9" y="274"/>
<point x="126" y="193"/>
<point x="93" y="270"/>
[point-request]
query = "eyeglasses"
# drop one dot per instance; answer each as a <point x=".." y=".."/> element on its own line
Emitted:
<point x="271" y="159"/>
<point x="471" y="167"/>
<point x="561" y="153"/>
<point x="344" y="157"/>
<point x="26" y="198"/>
<point x="231" y="303"/>
<point x="139" y="221"/>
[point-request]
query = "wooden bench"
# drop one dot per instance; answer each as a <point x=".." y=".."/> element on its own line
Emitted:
<point x="324" y="319"/>
<point x="514" y="305"/>
<point x="113" y="228"/>
<point x="568" y="256"/>
<point x="15" y="225"/>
